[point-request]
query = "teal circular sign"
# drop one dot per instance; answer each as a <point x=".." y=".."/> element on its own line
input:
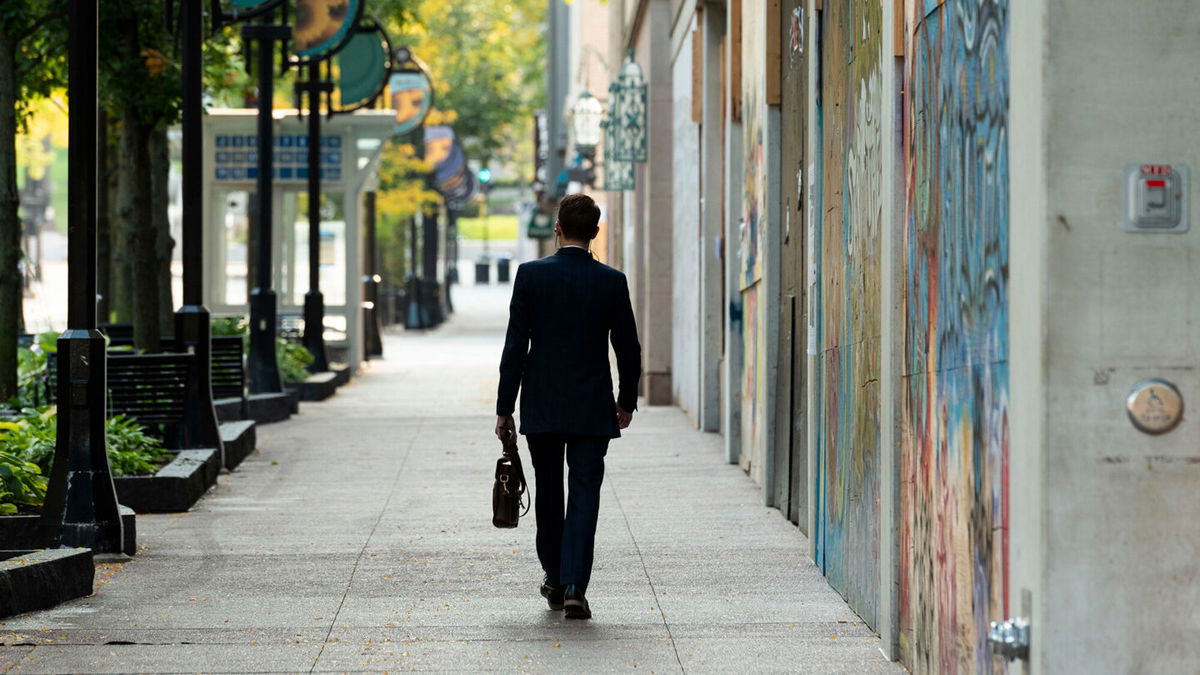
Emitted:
<point x="362" y="67"/>
<point x="322" y="27"/>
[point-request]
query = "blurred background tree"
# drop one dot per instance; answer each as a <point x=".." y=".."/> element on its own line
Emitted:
<point x="32" y="64"/>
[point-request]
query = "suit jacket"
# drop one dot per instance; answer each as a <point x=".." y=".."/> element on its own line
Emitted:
<point x="565" y="308"/>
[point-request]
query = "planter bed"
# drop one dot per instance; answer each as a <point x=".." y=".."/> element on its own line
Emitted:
<point x="32" y="580"/>
<point x="20" y="532"/>
<point x="239" y="439"/>
<point x="176" y="486"/>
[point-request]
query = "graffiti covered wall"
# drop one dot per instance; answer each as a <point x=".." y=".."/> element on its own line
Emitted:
<point x="847" y="303"/>
<point x="753" y="223"/>
<point x="953" y="566"/>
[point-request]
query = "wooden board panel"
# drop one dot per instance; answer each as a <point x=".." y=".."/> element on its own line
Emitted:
<point x="847" y="374"/>
<point x="791" y="425"/>
<point x="774" y="53"/>
<point x="953" y="570"/>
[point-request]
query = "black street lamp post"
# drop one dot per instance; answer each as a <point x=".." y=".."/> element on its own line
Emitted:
<point x="373" y="343"/>
<point x="193" y="322"/>
<point x="264" y="369"/>
<point x="314" y="300"/>
<point x="430" y="304"/>
<point x="415" y="318"/>
<point x="81" y="504"/>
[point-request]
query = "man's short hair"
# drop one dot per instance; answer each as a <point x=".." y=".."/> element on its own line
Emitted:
<point x="579" y="217"/>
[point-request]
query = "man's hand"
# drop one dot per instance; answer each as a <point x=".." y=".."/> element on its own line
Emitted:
<point x="506" y="429"/>
<point x="623" y="418"/>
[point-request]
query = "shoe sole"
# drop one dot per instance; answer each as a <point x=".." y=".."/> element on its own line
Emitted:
<point x="575" y="610"/>
<point x="556" y="606"/>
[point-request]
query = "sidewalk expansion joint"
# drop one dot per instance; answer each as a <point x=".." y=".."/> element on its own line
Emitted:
<point x="367" y="542"/>
<point x="642" y="561"/>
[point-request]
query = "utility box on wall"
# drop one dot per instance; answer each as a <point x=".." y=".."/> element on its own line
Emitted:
<point x="1156" y="198"/>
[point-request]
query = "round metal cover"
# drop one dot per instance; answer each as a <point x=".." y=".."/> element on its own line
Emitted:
<point x="1155" y="406"/>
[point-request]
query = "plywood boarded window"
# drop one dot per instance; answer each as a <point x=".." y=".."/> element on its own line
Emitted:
<point x="774" y="56"/>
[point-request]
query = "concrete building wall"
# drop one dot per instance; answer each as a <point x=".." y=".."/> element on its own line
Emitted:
<point x="1122" y="508"/>
<point x="658" y="223"/>
<point x="687" y="240"/>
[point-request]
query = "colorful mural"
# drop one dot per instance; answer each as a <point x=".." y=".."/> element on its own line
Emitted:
<point x="753" y="223"/>
<point x="953" y="567"/>
<point x="847" y="303"/>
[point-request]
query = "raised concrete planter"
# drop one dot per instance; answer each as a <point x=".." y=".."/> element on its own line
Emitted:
<point x="271" y="408"/>
<point x="21" y="532"/>
<point x="176" y="486"/>
<point x="230" y="409"/>
<point x="32" y="580"/>
<point x="239" y="439"/>
<point x="319" y="386"/>
<point x="341" y="373"/>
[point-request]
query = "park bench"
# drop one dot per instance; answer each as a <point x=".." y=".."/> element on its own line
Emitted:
<point x="153" y="389"/>
<point x="229" y="371"/>
<point x="227" y="375"/>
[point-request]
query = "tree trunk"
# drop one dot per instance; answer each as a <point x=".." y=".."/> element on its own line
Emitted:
<point x="139" y="234"/>
<point x="121" y="212"/>
<point x="160" y="168"/>
<point x="104" y="282"/>
<point x="10" y="220"/>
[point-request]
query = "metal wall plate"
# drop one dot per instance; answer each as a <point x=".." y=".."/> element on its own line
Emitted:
<point x="1155" y="406"/>
<point x="1157" y="198"/>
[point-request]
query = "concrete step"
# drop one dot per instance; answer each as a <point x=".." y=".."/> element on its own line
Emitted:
<point x="240" y="439"/>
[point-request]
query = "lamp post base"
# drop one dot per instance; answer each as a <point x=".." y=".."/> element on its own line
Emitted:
<point x="314" y="331"/>
<point x="263" y="363"/>
<point x="373" y="330"/>
<point x="81" y="502"/>
<point x="193" y="332"/>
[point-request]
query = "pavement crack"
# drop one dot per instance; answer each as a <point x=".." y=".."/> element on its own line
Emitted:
<point x="367" y="542"/>
<point x="641" y="560"/>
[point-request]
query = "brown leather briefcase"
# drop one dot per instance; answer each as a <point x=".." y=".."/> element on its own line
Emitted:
<point x="510" y="498"/>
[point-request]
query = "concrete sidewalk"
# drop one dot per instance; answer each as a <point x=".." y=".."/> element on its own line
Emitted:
<point x="359" y="539"/>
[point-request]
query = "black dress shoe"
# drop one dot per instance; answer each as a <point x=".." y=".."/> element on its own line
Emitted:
<point x="575" y="606"/>
<point x="553" y="596"/>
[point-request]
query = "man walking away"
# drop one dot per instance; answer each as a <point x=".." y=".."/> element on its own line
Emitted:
<point x="565" y="310"/>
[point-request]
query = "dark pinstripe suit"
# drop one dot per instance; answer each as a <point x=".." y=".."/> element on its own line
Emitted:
<point x="565" y="310"/>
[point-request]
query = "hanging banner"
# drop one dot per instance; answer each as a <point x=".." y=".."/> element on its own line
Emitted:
<point x="411" y="99"/>
<point x="362" y="67"/>
<point x="323" y="27"/>
<point x="444" y="152"/>
<point x="451" y="176"/>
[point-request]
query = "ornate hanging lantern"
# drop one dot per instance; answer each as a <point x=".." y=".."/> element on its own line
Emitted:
<point x="618" y="175"/>
<point x="631" y="113"/>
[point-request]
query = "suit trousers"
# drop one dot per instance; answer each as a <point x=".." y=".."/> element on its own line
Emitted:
<point x="566" y="545"/>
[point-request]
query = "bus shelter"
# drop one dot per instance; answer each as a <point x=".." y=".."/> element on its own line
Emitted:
<point x="350" y="149"/>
